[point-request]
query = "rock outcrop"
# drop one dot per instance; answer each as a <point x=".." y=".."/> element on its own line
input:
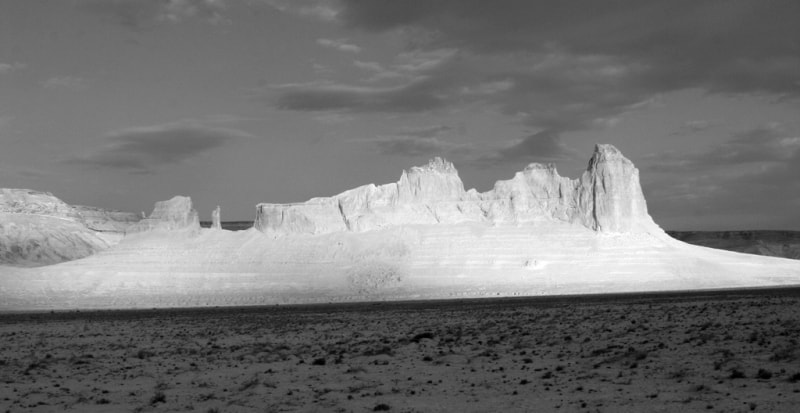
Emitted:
<point x="103" y="220"/>
<point x="30" y="202"/>
<point x="610" y="197"/>
<point x="606" y="198"/>
<point x="215" y="219"/>
<point x="173" y="214"/>
<point x="37" y="228"/>
<point x="423" y="237"/>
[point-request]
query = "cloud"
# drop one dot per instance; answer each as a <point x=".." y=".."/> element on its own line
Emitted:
<point x="405" y="145"/>
<point x="432" y="140"/>
<point x="570" y="65"/>
<point x="208" y="10"/>
<point x="487" y="88"/>
<point x="370" y="66"/>
<point x="139" y="14"/>
<point x="412" y="97"/>
<point x="421" y="89"/>
<point x="407" y="66"/>
<point x="769" y="143"/>
<point x="694" y="126"/>
<point x="551" y="90"/>
<point x="706" y="30"/>
<point x="65" y="82"/>
<point x="143" y="149"/>
<point x="753" y="172"/>
<point x="339" y="44"/>
<point x="426" y="131"/>
<point x="333" y="118"/>
<point x="762" y="198"/>
<point x="419" y="141"/>
<point x="323" y="10"/>
<point x="8" y="68"/>
<point x="543" y="146"/>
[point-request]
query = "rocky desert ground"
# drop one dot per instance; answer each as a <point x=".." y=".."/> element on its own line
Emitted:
<point x="732" y="351"/>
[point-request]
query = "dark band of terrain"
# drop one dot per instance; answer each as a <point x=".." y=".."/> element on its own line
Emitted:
<point x="732" y="350"/>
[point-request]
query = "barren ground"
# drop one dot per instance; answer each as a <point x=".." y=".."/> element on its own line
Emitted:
<point x="735" y="351"/>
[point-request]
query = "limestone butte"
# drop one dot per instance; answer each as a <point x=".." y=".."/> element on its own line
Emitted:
<point x="422" y="237"/>
<point x="606" y="198"/>
<point x="172" y="214"/>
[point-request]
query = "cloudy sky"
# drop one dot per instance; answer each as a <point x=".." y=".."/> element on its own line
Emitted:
<point x="121" y="103"/>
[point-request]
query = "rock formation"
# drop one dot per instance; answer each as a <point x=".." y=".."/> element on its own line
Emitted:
<point x="36" y="228"/>
<point x="29" y="202"/>
<point x="423" y="237"/>
<point x="173" y="214"/>
<point x="610" y="198"/>
<point x="215" y="219"/>
<point x="607" y="198"/>
<point x="102" y="220"/>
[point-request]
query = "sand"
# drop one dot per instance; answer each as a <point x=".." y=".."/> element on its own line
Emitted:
<point x="720" y="352"/>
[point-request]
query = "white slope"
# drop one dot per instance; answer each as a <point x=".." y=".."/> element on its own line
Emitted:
<point x="36" y="228"/>
<point x="421" y="238"/>
<point x="217" y="267"/>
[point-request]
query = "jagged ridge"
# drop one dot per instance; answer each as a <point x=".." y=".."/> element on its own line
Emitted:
<point x="606" y="198"/>
<point x="421" y="237"/>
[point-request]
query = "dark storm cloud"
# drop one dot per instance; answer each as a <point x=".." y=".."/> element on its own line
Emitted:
<point x="566" y="92"/>
<point x="138" y="14"/>
<point x="141" y="150"/>
<point x="697" y="29"/>
<point x="573" y="64"/>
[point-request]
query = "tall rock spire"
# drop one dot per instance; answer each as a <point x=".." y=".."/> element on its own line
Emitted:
<point x="610" y="197"/>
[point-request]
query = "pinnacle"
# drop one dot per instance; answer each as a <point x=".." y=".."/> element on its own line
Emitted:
<point x="436" y="164"/>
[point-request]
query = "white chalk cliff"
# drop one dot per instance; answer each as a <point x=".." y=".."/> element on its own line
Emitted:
<point x="607" y="198"/>
<point x="173" y="214"/>
<point x="422" y="237"/>
<point x="36" y="228"/>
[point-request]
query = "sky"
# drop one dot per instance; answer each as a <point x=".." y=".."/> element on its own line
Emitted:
<point x="122" y="103"/>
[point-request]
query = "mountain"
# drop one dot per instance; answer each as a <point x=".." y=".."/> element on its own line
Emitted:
<point x="607" y="198"/>
<point x="36" y="228"/>
<point x="423" y="237"/>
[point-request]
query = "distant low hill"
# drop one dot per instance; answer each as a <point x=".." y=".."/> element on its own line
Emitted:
<point x="784" y="244"/>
